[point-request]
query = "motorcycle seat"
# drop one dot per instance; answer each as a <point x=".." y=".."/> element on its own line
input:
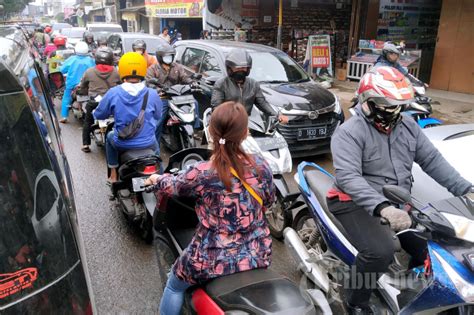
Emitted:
<point x="319" y="184"/>
<point x="258" y="291"/>
<point x="135" y="154"/>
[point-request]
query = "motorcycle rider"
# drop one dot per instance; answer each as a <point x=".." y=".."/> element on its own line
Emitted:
<point x="102" y="42"/>
<point x="139" y="46"/>
<point x="89" y="40"/>
<point x="245" y="185"/>
<point x="124" y="102"/>
<point x="168" y="73"/>
<point x="74" y="67"/>
<point x="238" y="87"/>
<point x="390" y="57"/>
<point x="374" y="148"/>
<point x="96" y="82"/>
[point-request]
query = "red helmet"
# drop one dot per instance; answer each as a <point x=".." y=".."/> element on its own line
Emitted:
<point x="385" y="86"/>
<point x="59" y="41"/>
<point x="47" y="29"/>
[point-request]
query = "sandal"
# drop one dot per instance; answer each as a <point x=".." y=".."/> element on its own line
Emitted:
<point x="86" y="149"/>
<point x="63" y="121"/>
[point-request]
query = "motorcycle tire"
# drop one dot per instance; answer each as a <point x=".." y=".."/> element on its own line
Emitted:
<point x="278" y="219"/>
<point x="146" y="230"/>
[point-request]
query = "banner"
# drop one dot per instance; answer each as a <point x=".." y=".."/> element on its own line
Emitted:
<point x="318" y="54"/>
<point x="174" y="8"/>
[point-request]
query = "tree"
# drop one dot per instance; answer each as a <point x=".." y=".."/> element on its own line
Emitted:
<point x="14" y="6"/>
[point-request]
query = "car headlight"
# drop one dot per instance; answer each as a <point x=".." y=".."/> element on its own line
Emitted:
<point x="465" y="289"/>
<point x="463" y="227"/>
<point x="337" y="108"/>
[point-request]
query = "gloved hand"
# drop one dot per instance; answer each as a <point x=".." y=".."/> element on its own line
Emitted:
<point x="398" y="219"/>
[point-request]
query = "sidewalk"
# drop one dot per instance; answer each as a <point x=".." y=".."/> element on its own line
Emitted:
<point x="450" y="107"/>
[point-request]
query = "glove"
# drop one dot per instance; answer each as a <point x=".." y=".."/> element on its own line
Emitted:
<point x="398" y="219"/>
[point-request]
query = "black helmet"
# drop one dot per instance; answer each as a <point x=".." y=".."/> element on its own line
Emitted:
<point x="88" y="35"/>
<point x="139" y="44"/>
<point x="104" y="56"/>
<point x="390" y="48"/>
<point x="102" y="41"/>
<point x="238" y="58"/>
<point x="164" y="49"/>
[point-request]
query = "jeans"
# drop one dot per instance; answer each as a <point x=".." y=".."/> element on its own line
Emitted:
<point x="112" y="152"/>
<point x="376" y="248"/>
<point x="88" y="122"/>
<point x="164" y="115"/>
<point x="173" y="295"/>
<point x="66" y="103"/>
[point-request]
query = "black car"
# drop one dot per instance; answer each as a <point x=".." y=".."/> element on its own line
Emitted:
<point x="314" y="112"/>
<point x="42" y="267"/>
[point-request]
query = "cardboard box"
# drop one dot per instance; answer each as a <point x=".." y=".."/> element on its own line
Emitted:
<point x="341" y="74"/>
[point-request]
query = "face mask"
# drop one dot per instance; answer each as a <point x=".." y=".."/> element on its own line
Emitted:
<point x="238" y="76"/>
<point x="387" y="118"/>
<point x="168" y="59"/>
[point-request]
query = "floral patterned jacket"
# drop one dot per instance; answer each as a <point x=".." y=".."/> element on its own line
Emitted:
<point x="232" y="234"/>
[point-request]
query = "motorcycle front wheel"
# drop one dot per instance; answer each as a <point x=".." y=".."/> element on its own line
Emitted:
<point x="277" y="218"/>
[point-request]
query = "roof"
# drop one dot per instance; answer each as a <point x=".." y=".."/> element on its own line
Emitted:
<point x="227" y="45"/>
<point x="133" y="9"/>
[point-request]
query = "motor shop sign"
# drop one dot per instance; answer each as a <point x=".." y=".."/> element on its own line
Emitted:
<point x="174" y="8"/>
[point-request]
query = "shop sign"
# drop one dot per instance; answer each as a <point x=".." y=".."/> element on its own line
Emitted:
<point x="319" y="49"/>
<point x="174" y="8"/>
<point x="249" y="8"/>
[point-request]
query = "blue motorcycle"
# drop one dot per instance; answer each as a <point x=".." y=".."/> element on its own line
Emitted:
<point x="445" y="284"/>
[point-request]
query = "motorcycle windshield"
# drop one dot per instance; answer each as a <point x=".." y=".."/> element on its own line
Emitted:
<point x="37" y="244"/>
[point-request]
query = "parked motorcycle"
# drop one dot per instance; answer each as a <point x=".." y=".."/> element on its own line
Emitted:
<point x="178" y="130"/>
<point x="259" y="291"/>
<point x="129" y="192"/>
<point x="445" y="282"/>
<point x="265" y="140"/>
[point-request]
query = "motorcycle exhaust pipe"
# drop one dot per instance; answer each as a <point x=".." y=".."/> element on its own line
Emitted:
<point x="301" y="254"/>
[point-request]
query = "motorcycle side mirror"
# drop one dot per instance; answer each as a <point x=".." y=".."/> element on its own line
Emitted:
<point x="397" y="194"/>
<point x="211" y="80"/>
<point x="174" y="170"/>
<point x="196" y="76"/>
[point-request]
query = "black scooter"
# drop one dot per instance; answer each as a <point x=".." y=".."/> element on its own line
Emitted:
<point x="259" y="291"/>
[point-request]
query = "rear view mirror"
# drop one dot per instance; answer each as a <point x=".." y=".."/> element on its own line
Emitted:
<point x="396" y="194"/>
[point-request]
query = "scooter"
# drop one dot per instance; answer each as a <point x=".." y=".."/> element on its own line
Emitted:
<point x="129" y="193"/>
<point x="265" y="140"/>
<point x="178" y="130"/>
<point x="445" y="282"/>
<point x="421" y="109"/>
<point x="79" y="104"/>
<point x="259" y="291"/>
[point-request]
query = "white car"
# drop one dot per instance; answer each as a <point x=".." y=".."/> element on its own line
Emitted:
<point x="102" y="29"/>
<point x="456" y="144"/>
<point x="74" y="35"/>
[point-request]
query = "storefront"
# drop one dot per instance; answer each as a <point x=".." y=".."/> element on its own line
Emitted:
<point x="183" y="16"/>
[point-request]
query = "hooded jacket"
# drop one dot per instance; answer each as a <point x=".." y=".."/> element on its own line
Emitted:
<point x="75" y="67"/>
<point x="95" y="82"/>
<point x="125" y="107"/>
<point x="365" y="160"/>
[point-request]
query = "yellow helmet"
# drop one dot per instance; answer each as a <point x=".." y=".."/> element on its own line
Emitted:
<point x="132" y="64"/>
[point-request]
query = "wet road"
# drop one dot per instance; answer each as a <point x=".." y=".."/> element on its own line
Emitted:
<point x="123" y="269"/>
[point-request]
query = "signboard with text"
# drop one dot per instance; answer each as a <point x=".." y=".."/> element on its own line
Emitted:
<point x="174" y="8"/>
<point x="318" y="53"/>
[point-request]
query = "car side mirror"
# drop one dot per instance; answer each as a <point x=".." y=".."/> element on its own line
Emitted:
<point x="397" y="194"/>
<point x="288" y="106"/>
<point x="196" y="76"/>
<point x="211" y="80"/>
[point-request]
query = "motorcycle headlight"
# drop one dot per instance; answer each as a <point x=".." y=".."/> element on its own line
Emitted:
<point x="463" y="227"/>
<point x="337" y="108"/>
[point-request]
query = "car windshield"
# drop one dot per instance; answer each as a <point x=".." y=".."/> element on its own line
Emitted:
<point x="73" y="32"/>
<point x="152" y="43"/>
<point x="276" y="68"/>
<point x="107" y="29"/>
<point x="60" y="26"/>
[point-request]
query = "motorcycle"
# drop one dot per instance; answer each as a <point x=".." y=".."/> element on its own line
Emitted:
<point x="265" y="140"/>
<point x="79" y="103"/>
<point x="421" y="109"/>
<point x="129" y="193"/>
<point x="445" y="282"/>
<point x="259" y="291"/>
<point x="178" y="130"/>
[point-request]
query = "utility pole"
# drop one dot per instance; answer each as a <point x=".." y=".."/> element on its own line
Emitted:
<point x="280" y="22"/>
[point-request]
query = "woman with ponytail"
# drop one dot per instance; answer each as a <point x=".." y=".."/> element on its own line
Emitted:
<point x="232" y="192"/>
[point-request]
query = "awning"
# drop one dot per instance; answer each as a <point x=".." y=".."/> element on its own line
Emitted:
<point x="133" y="9"/>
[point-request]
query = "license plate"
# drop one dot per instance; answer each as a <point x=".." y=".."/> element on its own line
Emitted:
<point x="312" y="133"/>
<point x="138" y="184"/>
<point x="267" y="144"/>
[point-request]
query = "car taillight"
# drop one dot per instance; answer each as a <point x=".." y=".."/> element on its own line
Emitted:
<point x="150" y="169"/>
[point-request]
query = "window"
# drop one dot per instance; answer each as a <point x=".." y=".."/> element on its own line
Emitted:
<point x="192" y="58"/>
<point x="210" y="66"/>
<point x="276" y="67"/>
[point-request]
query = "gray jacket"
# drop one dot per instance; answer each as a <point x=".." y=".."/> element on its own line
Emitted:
<point x="176" y="75"/>
<point x="249" y="94"/>
<point x="365" y="160"/>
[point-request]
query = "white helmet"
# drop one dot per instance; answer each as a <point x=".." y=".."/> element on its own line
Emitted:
<point x="81" y="48"/>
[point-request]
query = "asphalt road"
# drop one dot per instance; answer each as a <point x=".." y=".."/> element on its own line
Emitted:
<point x="123" y="269"/>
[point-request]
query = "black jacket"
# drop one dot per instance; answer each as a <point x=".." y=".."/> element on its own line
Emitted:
<point x="249" y="94"/>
